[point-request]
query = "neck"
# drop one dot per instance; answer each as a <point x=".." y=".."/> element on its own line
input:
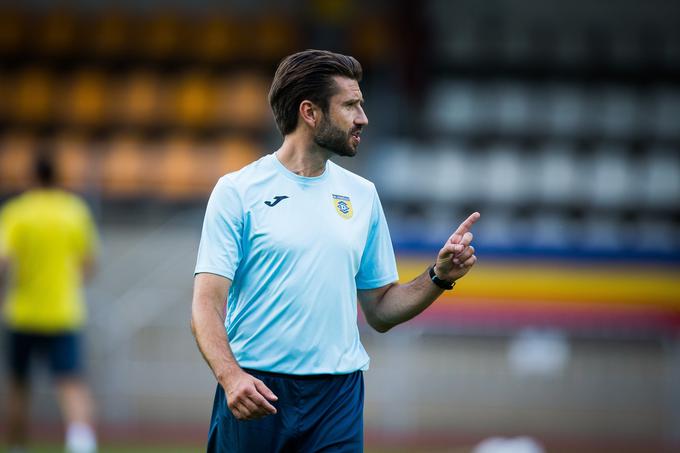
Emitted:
<point x="301" y="156"/>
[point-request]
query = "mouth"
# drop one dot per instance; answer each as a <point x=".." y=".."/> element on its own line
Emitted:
<point x="356" y="135"/>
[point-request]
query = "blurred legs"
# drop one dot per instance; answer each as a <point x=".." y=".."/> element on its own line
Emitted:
<point x="18" y="405"/>
<point x="78" y="409"/>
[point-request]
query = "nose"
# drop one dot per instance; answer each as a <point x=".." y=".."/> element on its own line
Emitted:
<point x="362" y="119"/>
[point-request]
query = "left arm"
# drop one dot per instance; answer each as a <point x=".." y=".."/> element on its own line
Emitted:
<point x="88" y="267"/>
<point x="4" y="255"/>
<point x="4" y="265"/>
<point x="389" y="305"/>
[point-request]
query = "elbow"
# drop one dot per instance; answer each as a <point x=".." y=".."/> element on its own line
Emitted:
<point x="380" y="326"/>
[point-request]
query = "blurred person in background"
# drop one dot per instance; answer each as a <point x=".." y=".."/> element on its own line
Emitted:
<point x="48" y="242"/>
<point x="289" y="244"/>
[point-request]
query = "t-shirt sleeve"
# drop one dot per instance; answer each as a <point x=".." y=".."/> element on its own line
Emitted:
<point x="378" y="266"/>
<point x="7" y="229"/>
<point x="220" y="249"/>
<point x="88" y="238"/>
<point x="4" y="232"/>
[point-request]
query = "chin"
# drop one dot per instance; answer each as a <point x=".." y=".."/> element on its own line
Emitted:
<point x="345" y="152"/>
<point x="351" y="150"/>
<point x="349" y="153"/>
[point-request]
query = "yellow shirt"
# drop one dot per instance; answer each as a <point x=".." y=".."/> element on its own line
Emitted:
<point x="46" y="234"/>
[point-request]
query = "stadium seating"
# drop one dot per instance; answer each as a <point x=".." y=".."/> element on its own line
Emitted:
<point x="88" y="82"/>
<point x="526" y="116"/>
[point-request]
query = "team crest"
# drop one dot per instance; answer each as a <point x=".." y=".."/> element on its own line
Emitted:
<point x="343" y="206"/>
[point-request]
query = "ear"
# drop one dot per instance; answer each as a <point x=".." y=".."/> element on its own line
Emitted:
<point x="309" y="113"/>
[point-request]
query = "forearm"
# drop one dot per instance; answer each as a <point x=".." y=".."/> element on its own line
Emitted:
<point x="388" y="306"/>
<point x="88" y="268"/>
<point x="207" y="325"/>
<point x="248" y="398"/>
<point x="402" y="302"/>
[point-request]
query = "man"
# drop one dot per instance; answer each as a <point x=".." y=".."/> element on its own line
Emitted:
<point x="47" y="245"/>
<point x="289" y="244"/>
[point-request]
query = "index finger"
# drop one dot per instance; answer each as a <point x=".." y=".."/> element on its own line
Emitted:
<point x="466" y="225"/>
<point x="264" y="391"/>
<point x="262" y="403"/>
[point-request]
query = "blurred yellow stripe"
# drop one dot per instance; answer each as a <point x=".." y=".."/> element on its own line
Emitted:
<point x="606" y="284"/>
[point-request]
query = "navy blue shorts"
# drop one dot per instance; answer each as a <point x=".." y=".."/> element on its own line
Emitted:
<point x="61" y="351"/>
<point x="321" y="413"/>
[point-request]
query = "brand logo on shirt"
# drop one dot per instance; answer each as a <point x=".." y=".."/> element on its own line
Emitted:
<point x="343" y="206"/>
<point x="276" y="201"/>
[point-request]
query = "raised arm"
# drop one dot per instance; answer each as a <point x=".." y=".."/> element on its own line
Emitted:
<point x="248" y="398"/>
<point x="387" y="306"/>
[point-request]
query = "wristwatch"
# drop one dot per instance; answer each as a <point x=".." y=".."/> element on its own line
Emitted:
<point x="443" y="284"/>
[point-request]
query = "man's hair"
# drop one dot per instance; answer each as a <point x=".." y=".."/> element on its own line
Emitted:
<point x="307" y="75"/>
<point x="44" y="168"/>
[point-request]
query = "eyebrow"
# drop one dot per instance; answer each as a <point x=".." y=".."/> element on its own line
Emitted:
<point x="354" y="101"/>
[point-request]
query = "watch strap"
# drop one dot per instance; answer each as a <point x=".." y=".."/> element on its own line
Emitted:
<point x="443" y="284"/>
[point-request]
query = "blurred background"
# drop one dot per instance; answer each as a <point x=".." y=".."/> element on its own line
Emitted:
<point x="558" y="121"/>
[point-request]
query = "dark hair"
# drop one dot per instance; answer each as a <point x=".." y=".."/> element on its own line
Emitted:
<point x="307" y="75"/>
<point x="43" y="168"/>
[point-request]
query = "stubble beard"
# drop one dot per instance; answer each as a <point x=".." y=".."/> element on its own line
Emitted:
<point x="334" y="139"/>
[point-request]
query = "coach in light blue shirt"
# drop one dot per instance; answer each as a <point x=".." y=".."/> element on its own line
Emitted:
<point x="289" y="244"/>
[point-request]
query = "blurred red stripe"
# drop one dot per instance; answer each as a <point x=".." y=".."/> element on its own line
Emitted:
<point x="494" y="314"/>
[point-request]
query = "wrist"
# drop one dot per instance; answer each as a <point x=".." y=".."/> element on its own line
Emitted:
<point x="439" y="281"/>
<point x="225" y="375"/>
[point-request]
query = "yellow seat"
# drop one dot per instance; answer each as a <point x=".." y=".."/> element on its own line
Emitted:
<point x="32" y="96"/>
<point x="193" y="99"/>
<point x="76" y="167"/>
<point x="17" y="154"/>
<point x="178" y="174"/>
<point x="234" y="153"/>
<point x="125" y="168"/>
<point x="188" y="170"/>
<point x="241" y="101"/>
<point x="137" y="99"/>
<point x="85" y="98"/>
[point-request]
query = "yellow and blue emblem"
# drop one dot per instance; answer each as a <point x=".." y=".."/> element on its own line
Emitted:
<point x="343" y="205"/>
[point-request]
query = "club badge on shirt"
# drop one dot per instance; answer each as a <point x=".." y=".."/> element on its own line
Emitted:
<point x="343" y="206"/>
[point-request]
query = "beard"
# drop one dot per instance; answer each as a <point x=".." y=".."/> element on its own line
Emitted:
<point x="334" y="139"/>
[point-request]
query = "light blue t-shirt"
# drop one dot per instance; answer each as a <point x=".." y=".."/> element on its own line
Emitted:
<point x="296" y="249"/>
